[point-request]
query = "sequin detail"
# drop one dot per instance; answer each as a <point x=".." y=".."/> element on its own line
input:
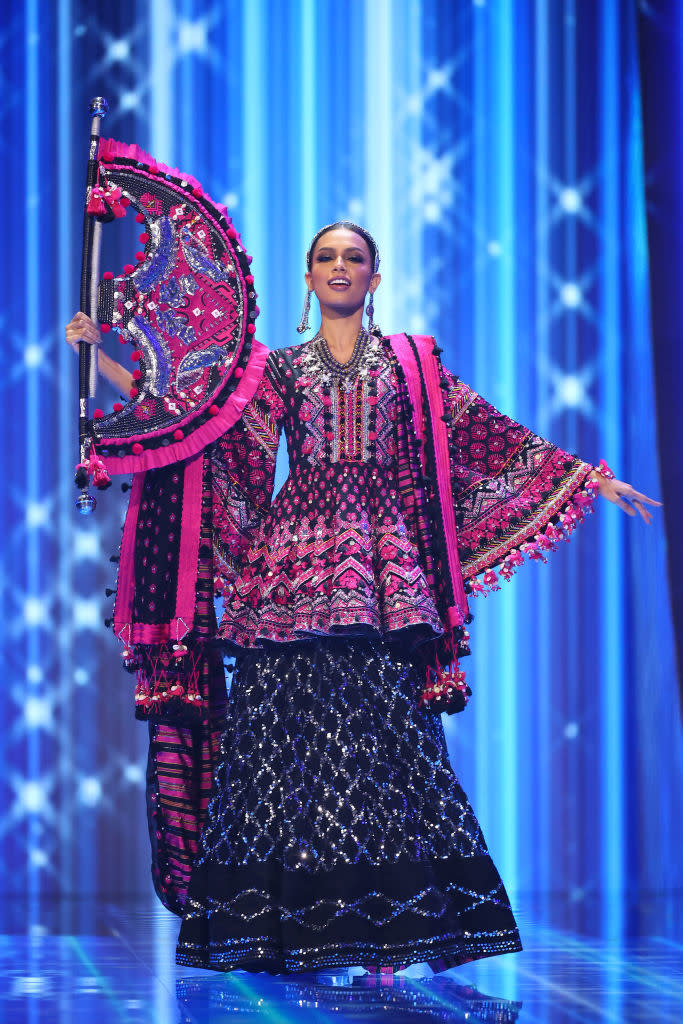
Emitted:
<point x="334" y="553"/>
<point x="337" y="832"/>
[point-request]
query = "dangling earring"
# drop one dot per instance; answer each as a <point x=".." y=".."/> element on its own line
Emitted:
<point x="303" y="326"/>
<point x="370" y="310"/>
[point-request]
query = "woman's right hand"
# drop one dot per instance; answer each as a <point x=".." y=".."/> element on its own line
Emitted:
<point x="82" y="328"/>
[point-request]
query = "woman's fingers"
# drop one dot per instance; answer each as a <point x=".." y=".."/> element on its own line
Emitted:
<point x="625" y="505"/>
<point x="643" y="512"/>
<point x="632" y="502"/>
<point x="637" y="496"/>
<point x="82" y="328"/>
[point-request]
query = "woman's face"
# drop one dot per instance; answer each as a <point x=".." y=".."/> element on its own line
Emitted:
<point x="341" y="271"/>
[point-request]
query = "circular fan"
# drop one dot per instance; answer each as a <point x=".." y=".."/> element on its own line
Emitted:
<point x="187" y="308"/>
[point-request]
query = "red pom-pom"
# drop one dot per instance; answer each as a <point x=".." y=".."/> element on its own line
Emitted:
<point x="239" y="371"/>
<point x="140" y="256"/>
<point x="232" y="233"/>
<point x="137" y="448"/>
<point x="129" y="268"/>
<point x="133" y="392"/>
<point x="98" y="414"/>
<point x="122" y="340"/>
<point x="197" y="193"/>
<point x="178" y="435"/>
<point x="140" y="218"/>
<point x="249" y="279"/>
<point x="251" y="328"/>
<point x="125" y="201"/>
<point x="137" y="374"/>
<point x="214" y="410"/>
<point x="107" y="275"/>
<point x="144" y="237"/>
<point x="105" y="328"/>
<point x="118" y="406"/>
<point x="136" y="355"/>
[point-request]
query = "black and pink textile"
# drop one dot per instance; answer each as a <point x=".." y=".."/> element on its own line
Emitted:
<point x="345" y="601"/>
<point x="337" y="833"/>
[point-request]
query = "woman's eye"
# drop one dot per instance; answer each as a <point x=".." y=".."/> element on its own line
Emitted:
<point x="324" y="259"/>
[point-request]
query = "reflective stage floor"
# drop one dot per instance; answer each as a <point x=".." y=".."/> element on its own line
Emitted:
<point x="106" y="963"/>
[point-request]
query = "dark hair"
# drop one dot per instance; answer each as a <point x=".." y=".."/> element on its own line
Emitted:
<point x="369" y="240"/>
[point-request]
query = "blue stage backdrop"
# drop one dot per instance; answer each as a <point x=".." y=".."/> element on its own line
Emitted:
<point x="494" y="150"/>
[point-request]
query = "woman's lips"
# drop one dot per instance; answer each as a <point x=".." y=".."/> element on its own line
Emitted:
<point x="339" y="284"/>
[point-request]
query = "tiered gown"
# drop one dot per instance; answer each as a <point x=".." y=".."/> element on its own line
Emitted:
<point x="337" y="833"/>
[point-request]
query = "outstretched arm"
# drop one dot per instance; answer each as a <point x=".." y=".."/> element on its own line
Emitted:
<point x="82" y="328"/>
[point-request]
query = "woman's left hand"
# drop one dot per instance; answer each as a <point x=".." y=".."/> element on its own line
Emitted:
<point x="625" y="496"/>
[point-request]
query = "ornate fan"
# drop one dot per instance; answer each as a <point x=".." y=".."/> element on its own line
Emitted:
<point x="186" y="307"/>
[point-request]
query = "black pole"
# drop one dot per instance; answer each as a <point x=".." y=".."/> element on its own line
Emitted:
<point x="87" y="356"/>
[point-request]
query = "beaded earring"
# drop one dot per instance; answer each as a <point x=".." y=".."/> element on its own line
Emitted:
<point x="304" y="325"/>
<point x="370" y="310"/>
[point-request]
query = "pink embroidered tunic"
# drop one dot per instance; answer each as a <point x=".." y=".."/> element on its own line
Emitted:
<point x="333" y="554"/>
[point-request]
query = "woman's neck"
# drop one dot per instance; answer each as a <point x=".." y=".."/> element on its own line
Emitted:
<point x="340" y="333"/>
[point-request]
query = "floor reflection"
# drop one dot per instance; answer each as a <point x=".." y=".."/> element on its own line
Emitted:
<point x="113" y="963"/>
<point x="359" y="998"/>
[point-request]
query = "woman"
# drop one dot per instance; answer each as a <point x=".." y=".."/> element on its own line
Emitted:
<point x="337" y="833"/>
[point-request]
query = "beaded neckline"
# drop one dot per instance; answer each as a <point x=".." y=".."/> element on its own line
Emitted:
<point x="351" y="365"/>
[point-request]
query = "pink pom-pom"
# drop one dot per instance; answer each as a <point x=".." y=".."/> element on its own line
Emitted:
<point x="140" y="256"/>
<point x="249" y="279"/>
<point x="604" y="470"/>
<point x="98" y="414"/>
<point x="491" y="580"/>
<point x="137" y="374"/>
<point x="107" y="276"/>
<point x="133" y="392"/>
<point x="239" y="372"/>
<point x="136" y="355"/>
<point x="140" y="218"/>
<point x="137" y="448"/>
<point x="214" y="410"/>
<point x="144" y="237"/>
<point x="117" y="406"/>
<point x="251" y="329"/>
<point x="178" y="435"/>
<point x="105" y="328"/>
<point x="129" y="268"/>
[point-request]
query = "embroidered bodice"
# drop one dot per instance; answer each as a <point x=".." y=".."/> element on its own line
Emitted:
<point x="332" y="554"/>
<point x="338" y="550"/>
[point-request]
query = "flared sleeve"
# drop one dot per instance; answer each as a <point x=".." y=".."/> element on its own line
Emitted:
<point x="243" y="473"/>
<point x="517" y="495"/>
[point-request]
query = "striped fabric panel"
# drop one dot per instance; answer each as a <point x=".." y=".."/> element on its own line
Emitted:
<point x="182" y="759"/>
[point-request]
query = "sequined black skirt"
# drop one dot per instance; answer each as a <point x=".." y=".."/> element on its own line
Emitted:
<point x="338" y="834"/>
